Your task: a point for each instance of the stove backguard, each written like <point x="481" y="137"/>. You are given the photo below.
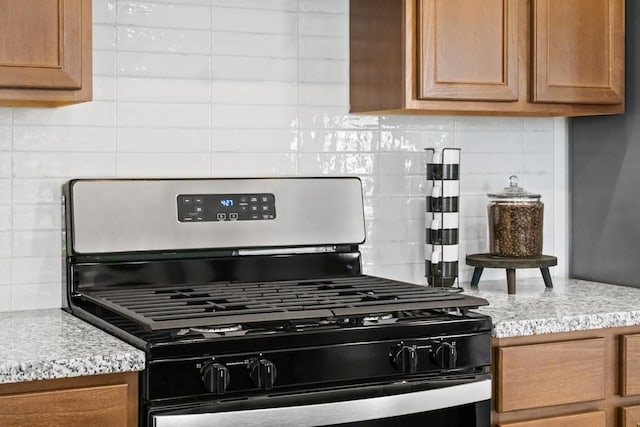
<point x="169" y="215"/>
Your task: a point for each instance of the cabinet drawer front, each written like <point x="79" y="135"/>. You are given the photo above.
<point x="631" y="416"/>
<point x="104" y="406"/>
<point x="533" y="376"/>
<point x="591" y="419"/>
<point x="630" y="365"/>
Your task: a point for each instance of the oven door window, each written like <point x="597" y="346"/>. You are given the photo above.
<point x="442" y="403"/>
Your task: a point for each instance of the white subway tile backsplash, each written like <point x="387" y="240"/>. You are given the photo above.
<point x="290" y="5"/>
<point x="260" y="93"/>
<point x="86" y="114"/>
<point x="539" y="142"/>
<point x="59" y="138"/>
<point x="5" y="191"/>
<point x="538" y="163"/>
<point x="489" y="123"/>
<point x="38" y="190"/>
<point x="104" y="88"/>
<point x="490" y="142"/>
<point x="5" y="298"/>
<point x="163" y="140"/>
<point x="5" y="164"/>
<point x="254" y="20"/>
<point x="329" y="6"/>
<point x="320" y="24"/>
<point x="5" y="218"/>
<point x="409" y="163"/>
<point x="36" y="270"/>
<point x="323" y="94"/>
<point x="36" y="243"/>
<point x="104" y="11"/>
<point x="337" y="163"/>
<point x="499" y="163"/>
<point x="338" y="140"/>
<point x="163" y="40"/>
<point x="163" y="165"/>
<point x="104" y="37"/>
<point x="481" y="183"/>
<point x="5" y="138"/>
<point x="154" y="14"/>
<point x="36" y="296"/>
<point x="175" y="65"/>
<point x="397" y="140"/>
<point x="172" y="115"/>
<point x="163" y="90"/>
<point x="259" y="164"/>
<point x="6" y="115"/>
<point x="324" y="47"/>
<point x="323" y="70"/>
<point x="254" y="116"/>
<point x="5" y="244"/>
<point x="422" y="123"/>
<point x="104" y="63"/>
<point x="402" y="208"/>
<point x="255" y="68"/>
<point x="410" y="185"/>
<point x="198" y="88"/>
<point x="334" y="118"/>
<point x="56" y="165"/>
<point x="255" y="44"/>
<point x="5" y="279"/>
<point x="538" y="124"/>
<point x="254" y="140"/>
<point x="37" y="217"/>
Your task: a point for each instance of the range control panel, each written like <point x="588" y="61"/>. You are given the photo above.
<point x="226" y="207"/>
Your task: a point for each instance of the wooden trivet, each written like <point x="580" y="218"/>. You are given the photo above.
<point x="482" y="261"/>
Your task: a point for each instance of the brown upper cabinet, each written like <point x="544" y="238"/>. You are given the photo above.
<point x="495" y="57"/>
<point x="45" y="52"/>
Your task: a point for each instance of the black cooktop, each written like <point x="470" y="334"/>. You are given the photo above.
<point x="221" y="306"/>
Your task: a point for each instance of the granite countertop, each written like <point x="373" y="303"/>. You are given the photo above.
<point x="46" y="344"/>
<point x="571" y="305"/>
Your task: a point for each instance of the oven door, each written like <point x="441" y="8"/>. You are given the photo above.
<point x="436" y="403"/>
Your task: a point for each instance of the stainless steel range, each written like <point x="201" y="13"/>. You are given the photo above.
<point x="248" y="297"/>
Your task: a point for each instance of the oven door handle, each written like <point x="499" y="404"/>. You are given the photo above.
<point x="337" y="412"/>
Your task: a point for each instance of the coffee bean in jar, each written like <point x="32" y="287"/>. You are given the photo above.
<point x="515" y="222"/>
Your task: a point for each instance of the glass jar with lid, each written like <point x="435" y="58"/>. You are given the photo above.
<point x="515" y="222"/>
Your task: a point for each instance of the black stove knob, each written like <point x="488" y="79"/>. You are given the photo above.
<point x="215" y="377"/>
<point x="445" y="355"/>
<point x="404" y="358"/>
<point x="263" y="373"/>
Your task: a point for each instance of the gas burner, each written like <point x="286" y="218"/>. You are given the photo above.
<point x="378" y="319"/>
<point x="215" y="331"/>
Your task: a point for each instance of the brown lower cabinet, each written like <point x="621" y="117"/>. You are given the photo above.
<point x="631" y="416"/>
<point x="586" y="379"/>
<point x="109" y="400"/>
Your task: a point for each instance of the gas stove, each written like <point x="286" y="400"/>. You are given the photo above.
<point x="248" y="298"/>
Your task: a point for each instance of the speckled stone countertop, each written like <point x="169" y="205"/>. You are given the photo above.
<point x="46" y="344"/>
<point x="571" y="305"/>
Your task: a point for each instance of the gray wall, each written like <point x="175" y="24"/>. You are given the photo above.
<point x="605" y="182"/>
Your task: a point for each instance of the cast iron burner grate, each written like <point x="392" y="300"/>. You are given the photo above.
<point x="162" y="307"/>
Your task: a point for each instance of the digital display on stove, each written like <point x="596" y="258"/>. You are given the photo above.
<point x="226" y="207"/>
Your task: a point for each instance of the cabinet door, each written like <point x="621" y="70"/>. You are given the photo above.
<point x="104" y="406"/>
<point x="558" y="373"/>
<point x="578" y="51"/>
<point x="467" y="50"/>
<point x="40" y="44"/>
<point x="630" y="375"/>
<point x="631" y="416"/>
<point x="45" y="52"/>
<point x="591" y="419"/>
